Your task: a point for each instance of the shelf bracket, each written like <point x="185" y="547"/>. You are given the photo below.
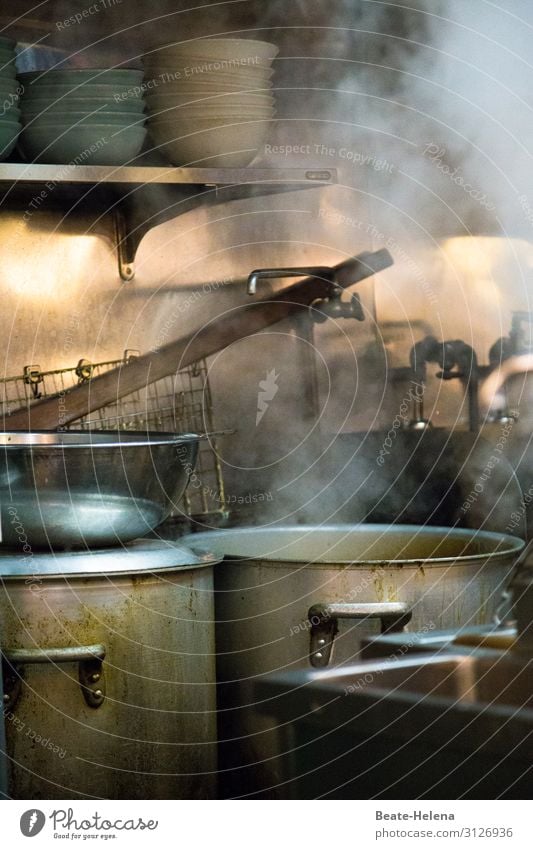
<point x="125" y="247"/>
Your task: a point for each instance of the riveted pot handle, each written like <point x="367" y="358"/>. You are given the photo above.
<point x="90" y="669"/>
<point x="323" y="618"/>
<point x="66" y="654"/>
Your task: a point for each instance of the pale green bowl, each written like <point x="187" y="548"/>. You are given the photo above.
<point x="9" y="132"/>
<point x="86" y="89"/>
<point x="64" y="120"/>
<point x="95" y="144"/>
<point x="68" y="105"/>
<point x="100" y="76"/>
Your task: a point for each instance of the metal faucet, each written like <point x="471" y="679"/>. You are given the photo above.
<point x="422" y="352"/>
<point x="322" y="272"/>
<point x="456" y="360"/>
<point x="345" y="274"/>
<point x="491" y="396"/>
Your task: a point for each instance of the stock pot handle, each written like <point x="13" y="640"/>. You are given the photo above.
<point x="68" y="654"/>
<point x="323" y="619"/>
<point x="90" y="669"/>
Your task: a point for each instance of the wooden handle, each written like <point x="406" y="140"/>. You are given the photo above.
<point x="242" y="321"/>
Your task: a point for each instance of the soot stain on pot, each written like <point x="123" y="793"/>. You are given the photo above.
<point x="378" y="587"/>
<point x="391" y="593"/>
<point x="55" y="625"/>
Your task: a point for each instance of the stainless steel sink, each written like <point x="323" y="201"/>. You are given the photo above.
<point x="438" y="726"/>
<point x="399" y="644"/>
<point x="485" y="678"/>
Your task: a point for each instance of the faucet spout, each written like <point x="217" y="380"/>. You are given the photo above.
<point x="491" y="396"/>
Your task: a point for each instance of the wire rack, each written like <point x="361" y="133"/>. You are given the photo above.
<point x="178" y="403"/>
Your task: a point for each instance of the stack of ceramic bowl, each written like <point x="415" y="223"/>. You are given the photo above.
<point x="210" y="101"/>
<point x="9" y="95"/>
<point x="89" y="117"/>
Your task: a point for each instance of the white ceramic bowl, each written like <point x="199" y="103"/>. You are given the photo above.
<point x="218" y="48"/>
<point x="222" y="99"/>
<point x="197" y="141"/>
<point x="172" y="75"/>
<point x="209" y="87"/>
<point x="215" y="115"/>
<point x="198" y="66"/>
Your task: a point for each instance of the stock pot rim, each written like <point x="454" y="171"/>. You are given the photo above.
<point x="145" y="557"/>
<point x="513" y="545"/>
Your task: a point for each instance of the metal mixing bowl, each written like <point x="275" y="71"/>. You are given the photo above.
<point x="81" y="488"/>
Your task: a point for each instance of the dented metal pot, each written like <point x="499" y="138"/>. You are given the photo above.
<point x="109" y="673"/>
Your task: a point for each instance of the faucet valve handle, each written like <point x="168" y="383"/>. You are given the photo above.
<point x="333" y="307"/>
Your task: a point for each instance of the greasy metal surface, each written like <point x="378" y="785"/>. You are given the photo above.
<point x="104" y="561"/>
<point x="89" y="489"/>
<point x="155" y="732"/>
<point x="271" y="577"/>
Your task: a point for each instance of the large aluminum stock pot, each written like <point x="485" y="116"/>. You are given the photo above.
<point x="109" y="673"/>
<point x="81" y="488"/>
<point x="301" y="597"/>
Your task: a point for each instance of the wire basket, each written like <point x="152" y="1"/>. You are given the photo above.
<point x="178" y="403"/>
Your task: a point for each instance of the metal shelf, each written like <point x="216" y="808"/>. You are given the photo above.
<point x="19" y="172"/>
<point x="134" y="195"/>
